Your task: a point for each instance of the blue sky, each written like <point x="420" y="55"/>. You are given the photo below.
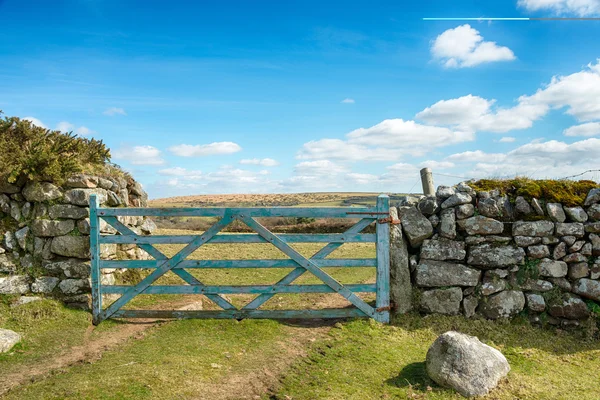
<point x="273" y="96"/>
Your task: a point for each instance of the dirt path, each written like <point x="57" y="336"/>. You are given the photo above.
<point x="240" y="384"/>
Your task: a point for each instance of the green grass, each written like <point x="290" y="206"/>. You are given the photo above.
<point x="175" y="360"/>
<point x="366" y="360"/>
<point x="47" y="328"/>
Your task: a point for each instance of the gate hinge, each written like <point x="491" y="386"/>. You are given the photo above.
<point x="386" y="308"/>
<point x="389" y="220"/>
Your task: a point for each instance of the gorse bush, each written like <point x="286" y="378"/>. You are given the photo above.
<point x="39" y="154"/>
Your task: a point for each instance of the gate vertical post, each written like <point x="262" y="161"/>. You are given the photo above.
<point x="383" y="261"/>
<point x="95" y="260"/>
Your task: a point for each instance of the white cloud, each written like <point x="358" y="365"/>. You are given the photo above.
<point x="35" y="122"/>
<point x="319" y="168"/>
<point x="437" y="164"/>
<point x="588" y="129"/>
<point x="507" y="139"/>
<point x="362" y="179"/>
<point x="580" y="8"/>
<point x="65" y="126"/>
<point x="338" y="149"/>
<point x="140" y="155"/>
<point x="463" y="47"/>
<point x="201" y="150"/>
<point x="181" y="172"/>
<point x="476" y="156"/>
<point x="265" y="162"/>
<point x="348" y="101"/>
<point x="578" y="93"/>
<point x="112" y="111"/>
<point x="84" y="131"/>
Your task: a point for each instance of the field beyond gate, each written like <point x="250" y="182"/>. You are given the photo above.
<point x="179" y="264"/>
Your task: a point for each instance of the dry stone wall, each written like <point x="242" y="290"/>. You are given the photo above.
<point x="44" y="234"/>
<point x="481" y="253"/>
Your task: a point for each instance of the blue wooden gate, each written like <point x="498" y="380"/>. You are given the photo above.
<point x="178" y="264"/>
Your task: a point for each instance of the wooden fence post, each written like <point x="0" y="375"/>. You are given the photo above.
<point x="427" y="182"/>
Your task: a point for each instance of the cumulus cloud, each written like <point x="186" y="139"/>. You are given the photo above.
<point x="201" y="150"/>
<point x="463" y="47"/>
<point x="112" y="111"/>
<point x="580" y="8"/>
<point x="588" y="129"/>
<point x="348" y="101"/>
<point x="35" y="122"/>
<point x="265" y="162"/>
<point x="65" y="126"/>
<point x="386" y="141"/>
<point x="476" y="156"/>
<point x="577" y="93"/>
<point x="140" y="155"/>
<point x="507" y="139"/>
<point x="437" y="164"/>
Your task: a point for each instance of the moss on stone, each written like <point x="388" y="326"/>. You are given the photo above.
<point x="569" y="193"/>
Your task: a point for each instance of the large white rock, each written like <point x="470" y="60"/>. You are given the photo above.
<point x="8" y="339"/>
<point x="464" y="364"/>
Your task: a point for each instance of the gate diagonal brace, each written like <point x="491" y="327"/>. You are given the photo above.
<point x="157" y="254"/>
<point x="165" y="267"/>
<point x="308" y="265"/>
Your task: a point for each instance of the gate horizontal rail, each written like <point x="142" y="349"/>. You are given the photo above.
<point x="179" y="264"/>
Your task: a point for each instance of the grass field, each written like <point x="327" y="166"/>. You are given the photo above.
<point x="62" y="356"/>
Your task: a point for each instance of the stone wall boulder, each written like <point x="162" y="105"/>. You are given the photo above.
<point x="463" y="363"/>
<point x="8" y="339"/>
<point x="14" y="284"/>
<point x="71" y="246"/>
<point x="534" y="228"/>
<point x="415" y="225"/>
<point x="41" y="191"/>
<point x="442" y="301"/>
<point x="488" y="256"/>
<point x="431" y="273"/>
<point x="505" y="304"/>
<point x="443" y="249"/>
<point x="480" y="225"/>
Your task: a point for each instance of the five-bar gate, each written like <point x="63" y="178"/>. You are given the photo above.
<point x="179" y="264"/>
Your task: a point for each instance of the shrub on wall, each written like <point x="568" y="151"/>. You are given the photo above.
<point x="39" y="154"/>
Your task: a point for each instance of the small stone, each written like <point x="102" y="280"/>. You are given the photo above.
<point x="552" y="268"/>
<point x="574" y="258"/>
<point x="562" y="283"/>
<point x="487" y="256"/>
<point x="25" y="300"/>
<point x="536" y="285"/>
<point x="587" y="250"/>
<point x="568" y="306"/>
<point x="456" y="200"/>
<point x="550" y="240"/>
<point x="105" y="183"/>
<point x="428" y="205"/>
<point x="592" y="197"/>
<point x="537" y="252"/>
<point x="71" y="268"/>
<point x="576" y="246"/>
<point x="68" y="211"/>
<point x="595" y="271"/>
<point x="112" y="200"/>
<point x="463" y="363"/>
<point x="21" y="236"/>
<point x="522" y="207"/>
<point x="81" y="181"/>
<point x="137" y="189"/>
<point x="491" y="286"/>
<point x="569" y="240"/>
<point x="148" y="226"/>
<point x="595" y="239"/>
<point x="51" y="228"/>
<point x="7" y="264"/>
<point x="465" y="211"/>
<point x="525" y="241"/>
<point x="14" y="284"/>
<point x="443" y="249"/>
<point x="556" y="212"/>
<point x="496" y="273"/>
<point x="443" y="192"/>
<point x="44" y="284"/>
<point x="447" y="227"/>
<point x="506" y="209"/>
<point x="489" y="208"/>
<point x="74" y="286"/>
<point x="442" y="301"/>
<point x="15" y="211"/>
<point x="435" y="220"/>
<point x="576" y="214"/>
<point x="430" y="273"/>
<point x="26" y="210"/>
<point x="578" y="270"/>
<point x="470" y="304"/>
<point x="503" y="305"/>
<point x="416" y="227"/>
<point x="537" y="207"/>
<point x="592" y="227"/>
<point x="465" y="188"/>
<point x="535" y="228"/>
<point x="593" y="212"/>
<point x="81" y="197"/>
<point x="535" y="302"/>
<point x="8" y="339"/>
<point x="587" y="288"/>
<point x="480" y="225"/>
<point x="570" y="229"/>
<point x="41" y="191"/>
<point x="71" y="246"/>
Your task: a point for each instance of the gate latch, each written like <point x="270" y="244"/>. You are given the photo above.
<point x="388" y="220"/>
